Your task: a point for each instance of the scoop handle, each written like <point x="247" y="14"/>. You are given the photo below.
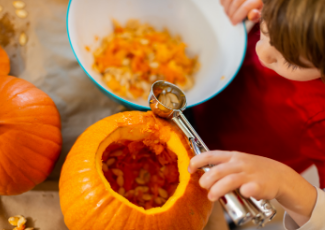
<point x="240" y="209"/>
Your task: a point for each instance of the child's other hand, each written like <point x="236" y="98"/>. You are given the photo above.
<point x="258" y="177"/>
<point x="238" y="10"/>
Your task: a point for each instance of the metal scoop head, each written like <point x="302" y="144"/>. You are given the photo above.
<point x="165" y="98"/>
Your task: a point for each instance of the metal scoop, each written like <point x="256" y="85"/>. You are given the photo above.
<point x="168" y="101"/>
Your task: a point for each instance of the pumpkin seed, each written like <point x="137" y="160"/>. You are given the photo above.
<point x="120" y="181"/>
<point x="165" y="100"/>
<point x="121" y="191"/>
<point x="130" y="193"/>
<point x="117" y="172"/>
<point x="17" y="221"/>
<point x="144" y="41"/>
<point x="22" y="39"/>
<point x="104" y="167"/>
<point x="146" y="197"/>
<point x="126" y="62"/>
<point x="116" y="153"/>
<point x="158" y="200"/>
<point x="173" y="98"/>
<point x="140" y="181"/>
<point x="110" y="161"/>
<point x="21" y="13"/>
<point x="152" y="78"/>
<point x="18" y="4"/>
<point x="154" y="65"/>
<point x="21" y="222"/>
<point x="98" y="52"/>
<point x="163" y="193"/>
<point x="107" y="77"/>
<point x="142" y="188"/>
<point x="14" y="220"/>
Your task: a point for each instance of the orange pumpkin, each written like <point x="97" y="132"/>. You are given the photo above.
<point x="4" y="62"/>
<point x="129" y="171"/>
<point x="30" y="137"/>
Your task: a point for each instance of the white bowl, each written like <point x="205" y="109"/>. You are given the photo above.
<point x="202" y="24"/>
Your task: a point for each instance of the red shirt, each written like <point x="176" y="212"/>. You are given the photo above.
<point x="265" y="114"/>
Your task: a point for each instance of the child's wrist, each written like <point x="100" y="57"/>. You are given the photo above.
<point x="297" y="196"/>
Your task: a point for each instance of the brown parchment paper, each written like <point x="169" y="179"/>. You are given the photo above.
<point x="47" y="61"/>
<point x="41" y="208"/>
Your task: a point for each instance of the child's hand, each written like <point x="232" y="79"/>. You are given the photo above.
<point x="238" y="10"/>
<point x="258" y="177"/>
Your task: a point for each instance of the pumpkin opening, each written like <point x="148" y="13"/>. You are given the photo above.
<point x="143" y="172"/>
<point x="153" y="161"/>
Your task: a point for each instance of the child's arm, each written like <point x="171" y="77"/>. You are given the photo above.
<point x="238" y="10"/>
<point x="258" y="177"/>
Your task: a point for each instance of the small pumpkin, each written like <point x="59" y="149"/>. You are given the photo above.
<point x="4" y="62"/>
<point x="30" y="137"/>
<point x="129" y="171"/>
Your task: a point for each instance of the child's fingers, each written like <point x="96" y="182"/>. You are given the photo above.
<point x="244" y="9"/>
<point x="254" y="15"/>
<point x="218" y="172"/>
<point x="225" y="185"/>
<point x="222" y="2"/>
<point x="204" y="159"/>
<point x="251" y="189"/>
<point x="226" y="6"/>
<point x="234" y="6"/>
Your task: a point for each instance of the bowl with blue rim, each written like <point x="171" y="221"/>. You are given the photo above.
<point x="202" y="25"/>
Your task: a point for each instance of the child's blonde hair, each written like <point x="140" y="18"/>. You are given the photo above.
<point x="297" y="29"/>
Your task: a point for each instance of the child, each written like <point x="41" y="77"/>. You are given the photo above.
<point x="276" y="118"/>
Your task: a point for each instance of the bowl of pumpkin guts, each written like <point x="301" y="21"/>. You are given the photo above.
<point x="129" y="171"/>
<point x="124" y="46"/>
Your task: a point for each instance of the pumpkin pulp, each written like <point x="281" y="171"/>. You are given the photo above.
<point x="167" y="166"/>
<point x="145" y="176"/>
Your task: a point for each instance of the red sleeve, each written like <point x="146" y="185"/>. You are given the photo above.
<point x="313" y="144"/>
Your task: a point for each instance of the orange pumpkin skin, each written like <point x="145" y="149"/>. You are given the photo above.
<point x="30" y="137"/>
<point x="4" y="62"/>
<point x="88" y="204"/>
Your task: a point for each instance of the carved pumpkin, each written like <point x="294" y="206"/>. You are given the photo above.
<point x="4" y="62"/>
<point x="30" y="138"/>
<point x="129" y="171"/>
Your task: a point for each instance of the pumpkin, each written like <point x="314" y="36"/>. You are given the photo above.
<point x="4" y="62"/>
<point x="129" y="171"/>
<point x="30" y="137"/>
